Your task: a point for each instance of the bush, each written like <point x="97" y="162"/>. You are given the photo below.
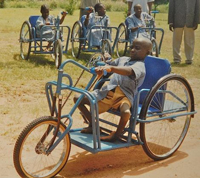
<point x="53" y="5"/>
<point x="2" y="5"/>
<point x="71" y="6"/>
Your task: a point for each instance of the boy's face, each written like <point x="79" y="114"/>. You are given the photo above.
<point x="138" y="10"/>
<point x="139" y="50"/>
<point x="101" y="11"/>
<point x="45" y="13"/>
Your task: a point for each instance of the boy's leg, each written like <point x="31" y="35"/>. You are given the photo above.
<point x="85" y="112"/>
<point x="125" y="115"/>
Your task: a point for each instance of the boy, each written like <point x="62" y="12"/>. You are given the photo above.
<point x="138" y="20"/>
<point x="45" y="20"/>
<point x="128" y="75"/>
<point x="90" y="20"/>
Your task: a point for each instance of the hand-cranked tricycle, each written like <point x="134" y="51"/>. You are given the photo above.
<point x="82" y="38"/>
<point x="124" y="41"/>
<point x="30" y="42"/>
<point x="162" y="109"/>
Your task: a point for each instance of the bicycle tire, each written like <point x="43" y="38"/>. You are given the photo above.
<point x="155" y="51"/>
<point x="106" y="47"/>
<point x="58" y="53"/>
<point x="75" y="39"/>
<point x="29" y="155"/>
<point x="122" y="42"/>
<point x="162" y="138"/>
<point x="25" y="40"/>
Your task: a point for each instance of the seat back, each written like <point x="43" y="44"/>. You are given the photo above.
<point x="33" y="19"/>
<point x="155" y="69"/>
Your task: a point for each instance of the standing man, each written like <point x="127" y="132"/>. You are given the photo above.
<point x="146" y="5"/>
<point x="87" y="3"/>
<point x="183" y="18"/>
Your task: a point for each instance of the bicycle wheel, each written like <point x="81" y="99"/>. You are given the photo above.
<point x="25" y="40"/>
<point x="95" y="58"/>
<point x="58" y="53"/>
<point x="154" y="51"/>
<point x="122" y="41"/>
<point x="171" y="98"/>
<point x="30" y="158"/>
<point x="75" y="39"/>
<point x="106" y="47"/>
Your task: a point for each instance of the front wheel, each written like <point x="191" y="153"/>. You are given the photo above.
<point x="30" y="158"/>
<point x="25" y="40"/>
<point x="171" y="98"/>
<point x="106" y="47"/>
<point x="58" y="53"/>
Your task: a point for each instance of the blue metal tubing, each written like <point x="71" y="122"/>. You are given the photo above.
<point x="102" y="28"/>
<point x="165" y="118"/>
<point x="91" y="98"/>
<point x="57" y="35"/>
<point x="154" y="29"/>
<point x="141" y="120"/>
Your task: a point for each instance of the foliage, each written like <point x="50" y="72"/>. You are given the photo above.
<point x="2" y="4"/>
<point x="71" y="6"/>
<point x="53" y="5"/>
<point x="158" y="2"/>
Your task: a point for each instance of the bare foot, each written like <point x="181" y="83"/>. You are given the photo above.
<point x="110" y="138"/>
<point x="87" y="130"/>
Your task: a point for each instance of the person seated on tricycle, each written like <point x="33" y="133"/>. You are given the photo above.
<point x="47" y="32"/>
<point x="139" y="20"/>
<point x="128" y="75"/>
<point x="91" y="19"/>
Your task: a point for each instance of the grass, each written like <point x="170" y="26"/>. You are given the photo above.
<point x="22" y="82"/>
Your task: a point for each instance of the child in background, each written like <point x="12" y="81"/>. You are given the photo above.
<point x="138" y="20"/>
<point x="90" y="20"/>
<point x="43" y="21"/>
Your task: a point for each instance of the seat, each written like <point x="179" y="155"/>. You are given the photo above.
<point x="156" y="68"/>
<point x="32" y="21"/>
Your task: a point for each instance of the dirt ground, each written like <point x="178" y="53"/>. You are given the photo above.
<point x="125" y="162"/>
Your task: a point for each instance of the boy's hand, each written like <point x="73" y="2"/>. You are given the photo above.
<point x="90" y="10"/>
<point x="64" y="13"/>
<point x="100" y="70"/>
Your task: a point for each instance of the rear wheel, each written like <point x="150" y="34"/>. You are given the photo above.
<point x="171" y="98"/>
<point x="122" y="41"/>
<point x="30" y="157"/>
<point x="58" y="53"/>
<point x="25" y="40"/>
<point x="154" y="51"/>
<point x="75" y="39"/>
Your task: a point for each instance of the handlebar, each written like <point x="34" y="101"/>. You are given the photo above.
<point x="63" y="12"/>
<point x="105" y="72"/>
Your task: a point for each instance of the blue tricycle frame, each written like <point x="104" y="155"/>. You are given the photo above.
<point x="29" y="42"/>
<point x="162" y="109"/>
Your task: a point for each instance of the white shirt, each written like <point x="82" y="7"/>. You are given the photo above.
<point x="143" y="3"/>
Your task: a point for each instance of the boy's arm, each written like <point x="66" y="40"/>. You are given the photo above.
<point x="124" y="70"/>
<point x="87" y="16"/>
<point x="63" y="17"/>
